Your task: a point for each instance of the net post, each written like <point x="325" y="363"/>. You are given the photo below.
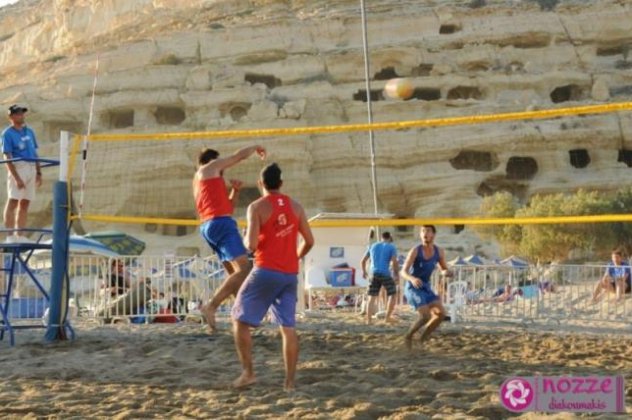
<point x="56" y="327"/>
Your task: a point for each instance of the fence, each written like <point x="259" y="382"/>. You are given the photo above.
<point x="137" y="289"/>
<point x="146" y="289"/>
<point x="559" y="293"/>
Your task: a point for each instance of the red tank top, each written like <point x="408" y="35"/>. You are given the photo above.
<point x="278" y="237"/>
<point x="212" y="199"/>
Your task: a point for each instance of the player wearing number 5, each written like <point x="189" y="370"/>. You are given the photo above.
<point x="274" y="223"/>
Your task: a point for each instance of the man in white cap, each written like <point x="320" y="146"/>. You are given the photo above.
<point x="19" y="142"/>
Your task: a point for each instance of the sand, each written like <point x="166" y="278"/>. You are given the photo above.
<point x="346" y="370"/>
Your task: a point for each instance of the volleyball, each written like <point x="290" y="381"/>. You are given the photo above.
<point x="399" y="88"/>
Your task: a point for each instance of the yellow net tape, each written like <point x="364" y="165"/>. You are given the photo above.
<point x="397" y="125"/>
<point x="602" y="218"/>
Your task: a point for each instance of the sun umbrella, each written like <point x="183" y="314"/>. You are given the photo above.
<point x="119" y="242"/>
<point x="515" y="262"/>
<point x="474" y="259"/>
<point x="82" y="245"/>
<point x="457" y="261"/>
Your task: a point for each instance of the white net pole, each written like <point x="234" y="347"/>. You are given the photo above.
<point x="84" y="147"/>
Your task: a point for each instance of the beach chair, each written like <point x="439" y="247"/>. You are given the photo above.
<point x="455" y="298"/>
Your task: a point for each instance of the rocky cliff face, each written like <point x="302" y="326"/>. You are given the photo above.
<point x="168" y="65"/>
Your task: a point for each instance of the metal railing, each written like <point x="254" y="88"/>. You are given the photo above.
<point x="146" y="289"/>
<point x="560" y="293"/>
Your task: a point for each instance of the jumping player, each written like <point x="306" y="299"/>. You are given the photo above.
<point x="215" y="208"/>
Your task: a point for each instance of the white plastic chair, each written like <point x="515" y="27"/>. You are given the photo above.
<point x="455" y="298"/>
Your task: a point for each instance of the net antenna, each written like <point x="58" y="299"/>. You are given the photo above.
<point x="84" y="146"/>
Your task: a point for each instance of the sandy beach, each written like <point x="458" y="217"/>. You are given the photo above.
<point x="346" y="370"/>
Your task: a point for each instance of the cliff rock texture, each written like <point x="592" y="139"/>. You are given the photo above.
<point x="168" y="65"/>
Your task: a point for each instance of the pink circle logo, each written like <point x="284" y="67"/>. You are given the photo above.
<point x="516" y="394"/>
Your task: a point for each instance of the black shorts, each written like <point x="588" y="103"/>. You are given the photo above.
<point x="378" y="281"/>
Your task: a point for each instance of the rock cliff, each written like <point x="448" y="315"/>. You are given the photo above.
<point x="168" y="65"/>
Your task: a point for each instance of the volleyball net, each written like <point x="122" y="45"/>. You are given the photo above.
<point x="145" y="178"/>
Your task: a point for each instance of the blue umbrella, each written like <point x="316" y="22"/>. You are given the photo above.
<point x="474" y="259"/>
<point x="80" y="245"/>
<point x="515" y="262"/>
<point x="457" y="261"/>
<point x="119" y="242"/>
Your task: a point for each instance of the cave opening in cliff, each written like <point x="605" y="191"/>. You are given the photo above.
<point x="521" y="168"/>
<point x="625" y="156"/>
<point x="610" y="50"/>
<point x="422" y="70"/>
<point x="121" y="118"/>
<point x="53" y="128"/>
<point x="236" y="110"/>
<point x="386" y="73"/>
<point x="579" y="158"/>
<point x="475" y="160"/>
<point x="171" y="230"/>
<point x="566" y="93"/>
<point x="465" y="92"/>
<point x="169" y="115"/>
<point x="495" y="184"/>
<point x="376" y="95"/>
<point x="270" y="81"/>
<point x="449" y="28"/>
<point x="426" y="94"/>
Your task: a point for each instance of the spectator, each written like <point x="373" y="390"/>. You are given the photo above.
<point x="616" y="278"/>
<point x="382" y="255"/>
<point x="19" y="142"/>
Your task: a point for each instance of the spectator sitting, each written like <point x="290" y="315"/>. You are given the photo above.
<point x="119" y="282"/>
<point x="615" y="279"/>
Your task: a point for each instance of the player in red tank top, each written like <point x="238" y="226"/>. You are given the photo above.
<point x="274" y="223"/>
<point x="278" y="237"/>
<point x="219" y="229"/>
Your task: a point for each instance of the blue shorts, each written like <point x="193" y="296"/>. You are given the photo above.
<point x="419" y="297"/>
<point x="264" y="288"/>
<point x="222" y="235"/>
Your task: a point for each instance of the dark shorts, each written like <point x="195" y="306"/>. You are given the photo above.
<point x="263" y="289"/>
<point x="223" y="236"/>
<point x="378" y="281"/>
<point x="419" y="297"/>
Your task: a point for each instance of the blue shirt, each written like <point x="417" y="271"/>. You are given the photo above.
<point x="20" y="143"/>
<point x="622" y="270"/>
<point x="381" y="254"/>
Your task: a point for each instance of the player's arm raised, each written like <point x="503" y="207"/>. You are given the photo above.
<point x="220" y="164"/>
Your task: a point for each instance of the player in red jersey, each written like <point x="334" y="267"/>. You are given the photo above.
<point x="219" y="229"/>
<point x="274" y="223"/>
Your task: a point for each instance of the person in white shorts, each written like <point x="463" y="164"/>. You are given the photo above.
<point x="18" y="141"/>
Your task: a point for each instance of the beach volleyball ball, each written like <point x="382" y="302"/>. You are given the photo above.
<point x="399" y="88"/>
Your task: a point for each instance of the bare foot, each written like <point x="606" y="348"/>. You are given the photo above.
<point x="391" y="321"/>
<point x="244" y="381"/>
<point x="208" y="314"/>
<point x="289" y="387"/>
